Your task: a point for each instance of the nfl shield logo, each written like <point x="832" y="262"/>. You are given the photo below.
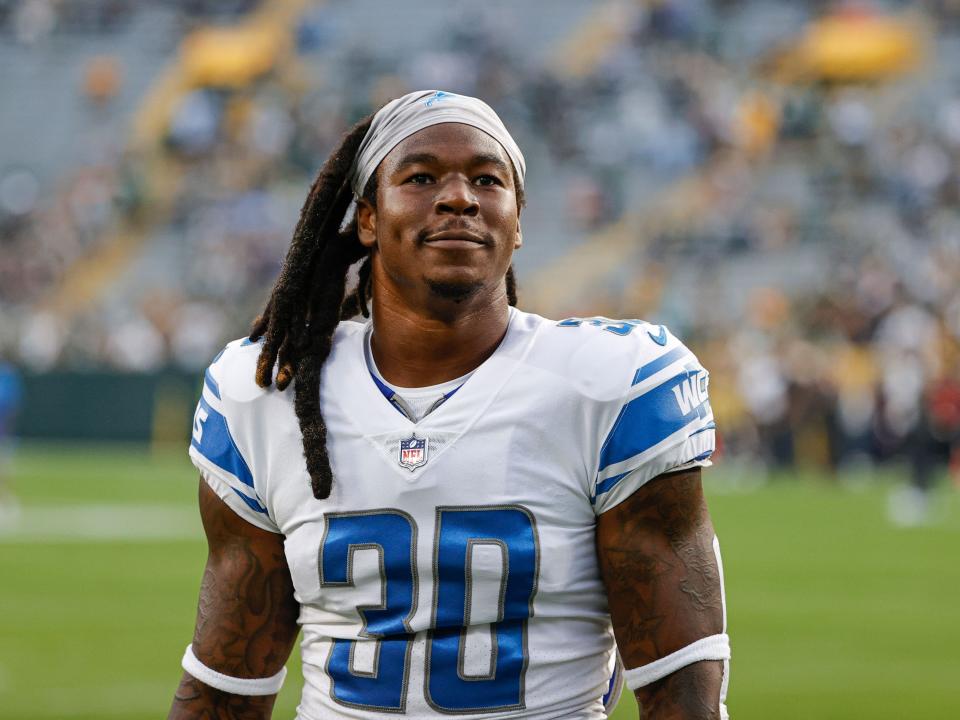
<point x="413" y="452"/>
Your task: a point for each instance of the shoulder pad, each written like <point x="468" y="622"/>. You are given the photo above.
<point x="232" y="374"/>
<point x="604" y="358"/>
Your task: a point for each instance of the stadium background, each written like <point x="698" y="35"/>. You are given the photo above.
<point x="776" y="181"/>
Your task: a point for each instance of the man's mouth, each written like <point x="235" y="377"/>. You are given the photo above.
<point x="457" y="240"/>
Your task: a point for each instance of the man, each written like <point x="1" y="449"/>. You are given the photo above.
<point x="459" y="496"/>
<point x="11" y="392"/>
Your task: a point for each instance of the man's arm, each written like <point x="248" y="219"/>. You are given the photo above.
<point x="246" y="617"/>
<point x="660" y="570"/>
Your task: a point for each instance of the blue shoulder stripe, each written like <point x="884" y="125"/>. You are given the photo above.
<point x="659" y="364"/>
<point x="650" y="419"/>
<point x="211" y="383"/>
<point x="216" y="444"/>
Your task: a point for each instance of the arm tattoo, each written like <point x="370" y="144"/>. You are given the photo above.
<point x="656" y="558"/>
<point x="197" y="701"/>
<point x="689" y="691"/>
<point x="246" y="615"/>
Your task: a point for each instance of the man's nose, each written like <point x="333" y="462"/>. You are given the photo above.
<point x="457" y="196"/>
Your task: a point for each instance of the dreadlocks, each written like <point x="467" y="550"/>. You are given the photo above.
<point x="307" y="301"/>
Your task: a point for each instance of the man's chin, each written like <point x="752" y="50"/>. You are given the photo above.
<point x="454" y="291"/>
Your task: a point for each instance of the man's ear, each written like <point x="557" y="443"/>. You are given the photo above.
<point x="366" y="223"/>
<point x="518" y="240"/>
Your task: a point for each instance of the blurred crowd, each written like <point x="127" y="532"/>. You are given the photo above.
<point x="38" y="21"/>
<point x="843" y="351"/>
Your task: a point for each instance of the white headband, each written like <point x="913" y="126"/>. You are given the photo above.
<point x="401" y="118"/>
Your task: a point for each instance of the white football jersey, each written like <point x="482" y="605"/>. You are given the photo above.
<point x="453" y="568"/>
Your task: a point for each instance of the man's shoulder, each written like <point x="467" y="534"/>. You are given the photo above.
<point x="602" y="358"/>
<point x="233" y="371"/>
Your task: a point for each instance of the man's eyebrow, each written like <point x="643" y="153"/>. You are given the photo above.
<point x="485" y="158"/>
<point x="416" y="159"/>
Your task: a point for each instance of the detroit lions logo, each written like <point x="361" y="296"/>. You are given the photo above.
<point x="660" y="338"/>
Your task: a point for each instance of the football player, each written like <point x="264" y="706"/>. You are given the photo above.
<point x="467" y="509"/>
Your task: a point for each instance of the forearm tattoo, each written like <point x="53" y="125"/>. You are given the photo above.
<point x="656" y="558"/>
<point x="246" y="615"/>
<point x="690" y="692"/>
<point x="196" y="701"/>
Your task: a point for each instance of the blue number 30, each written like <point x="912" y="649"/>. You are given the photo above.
<point x="393" y="535"/>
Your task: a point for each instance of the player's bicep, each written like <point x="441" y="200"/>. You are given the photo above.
<point x="662" y="576"/>
<point x="247" y="613"/>
<point x="246" y="617"/>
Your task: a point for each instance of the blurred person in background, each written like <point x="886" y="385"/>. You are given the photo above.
<point x="527" y="474"/>
<point x="11" y="392"/>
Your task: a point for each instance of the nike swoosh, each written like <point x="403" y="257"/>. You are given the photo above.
<point x="660" y="339"/>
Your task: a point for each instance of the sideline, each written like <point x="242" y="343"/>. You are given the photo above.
<point x="97" y="523"/>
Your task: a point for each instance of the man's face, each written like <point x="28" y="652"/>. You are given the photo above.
<point x="446" y="221"/>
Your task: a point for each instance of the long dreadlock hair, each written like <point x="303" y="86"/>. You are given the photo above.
<point x="307" y="301"/>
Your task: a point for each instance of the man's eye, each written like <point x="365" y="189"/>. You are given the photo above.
<point x="419" y="179"/>
<point x="488" y="180"/>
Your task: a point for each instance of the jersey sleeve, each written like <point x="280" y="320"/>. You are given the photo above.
<point x="215" y="452"/>
<point x="664" y="423"/>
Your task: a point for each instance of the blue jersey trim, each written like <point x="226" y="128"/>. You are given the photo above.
<point x="711" y="426"/>
<point x="251" y="503"/>
<point x="647" y="421"/>
<point x="387" y="391"/>
<point x="613" y="682"/>
<point x="211" y="383"/>
<point x="610" y="483"/>
<point x="447" y="396"/>
<point x="659" y="364"/>
<point x="607" y="485"/>
<point x="217" y="445"/>
<point x="390" y="394"/>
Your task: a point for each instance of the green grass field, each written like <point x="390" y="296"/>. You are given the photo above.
<point x="833" y="612"/>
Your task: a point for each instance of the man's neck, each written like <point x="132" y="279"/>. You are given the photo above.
<point x="415" y="349"/>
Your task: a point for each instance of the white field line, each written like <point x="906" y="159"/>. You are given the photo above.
<point x="97" y="523"/>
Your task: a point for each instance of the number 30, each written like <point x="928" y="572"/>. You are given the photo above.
<point x="392" y="534"/>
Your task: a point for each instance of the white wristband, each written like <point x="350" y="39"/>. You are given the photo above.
<point x="715" y="647"/>
<point x="236" y="686"/>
